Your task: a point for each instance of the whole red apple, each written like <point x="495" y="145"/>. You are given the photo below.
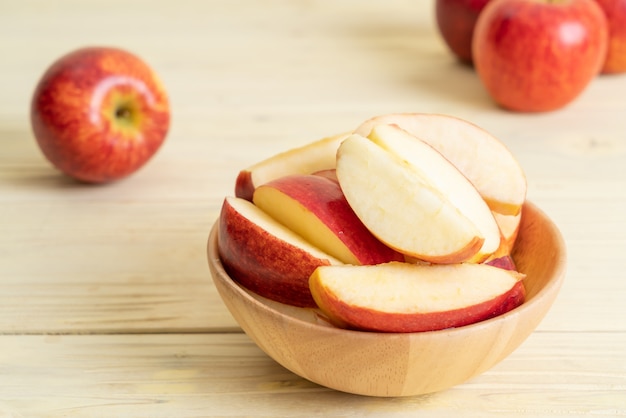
<point x="456" y="20"/>
<point x="539" y="55"/>
<point x="99" y="114"/>
<point x="615" y="11"/>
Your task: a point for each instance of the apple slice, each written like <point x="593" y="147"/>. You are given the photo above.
<point x="315" y="156"/>
<point x="403" y="297"/>
<point x="482" y="158"/>
<point x="315" y="208"/>
<point x="401" y="207"/>
<point x="509" y="228"/>
<point x="330" y="173"/>
<point x="266" y="257"/>
<point x="445" y="177"/>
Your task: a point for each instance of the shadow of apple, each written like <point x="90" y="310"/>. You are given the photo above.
<point x="416" y="58"/>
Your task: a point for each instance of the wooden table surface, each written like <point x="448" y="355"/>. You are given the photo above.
<point x="107" y="308"/>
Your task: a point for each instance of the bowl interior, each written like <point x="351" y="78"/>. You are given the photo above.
<point x="390" y="364"/>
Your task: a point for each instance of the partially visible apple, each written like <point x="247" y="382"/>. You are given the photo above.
<point x="330" y="174"/>
<point x="504" y="262"/>
<point x="266" y="257"/>
<point x="509" y="228"/>
<point x="401" y="207"/>
<point x="481" y="157"/>
<point x="314" y="156"/>
<point x="539" y="55"/>
<point x="315" y="208"/>
<point x="445" y="177"/>
<point x="99" y="114"/>
<point x="615" y="11"/>
<point x="402" y="297"/>
<point x="456" y="20"/>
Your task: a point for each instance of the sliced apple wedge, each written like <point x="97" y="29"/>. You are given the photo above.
<point x="402" y="297"/>
<point x="445" y="177"/>
<point x="266" y="257"/>
<point x="331" y="174"/>
<point x="509" y="228"/>
<point x="315" y="156"/>
<point x="401" y="207"/>
<point x="315" y="208"/>
<point x="482" y="158"/>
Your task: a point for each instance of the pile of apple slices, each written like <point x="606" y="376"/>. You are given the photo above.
<point x="405" y="224"/>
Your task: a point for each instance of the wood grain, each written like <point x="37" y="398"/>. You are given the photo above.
<point x="212" y="375"/>
<point x="125" y="263"/>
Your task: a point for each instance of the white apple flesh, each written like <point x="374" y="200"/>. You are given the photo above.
<point x="481" y="157"/>
<point x="445" y="177"/>
<point x="401" y="207"/>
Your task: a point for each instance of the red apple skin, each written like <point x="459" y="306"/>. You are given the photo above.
<point x="539" y="55"/>
<point x="456" y="20"/>
<point x="615" y="11"/>
<point x="360" y="318"/>
<point x="244" y="186"/>
<point x="252" y="258"/>
<point x="504" y="262"/>
<point x="323" y="197"/>
<point x="99" y="114"/>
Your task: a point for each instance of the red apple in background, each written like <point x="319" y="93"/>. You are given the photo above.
<point x="456" y="20"/>
<point x="99" y="113"/>
<point x="538" y="55"/>
<point x="615" y="11"/>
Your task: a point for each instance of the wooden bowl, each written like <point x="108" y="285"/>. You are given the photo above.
<point x="381" y="364"/>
